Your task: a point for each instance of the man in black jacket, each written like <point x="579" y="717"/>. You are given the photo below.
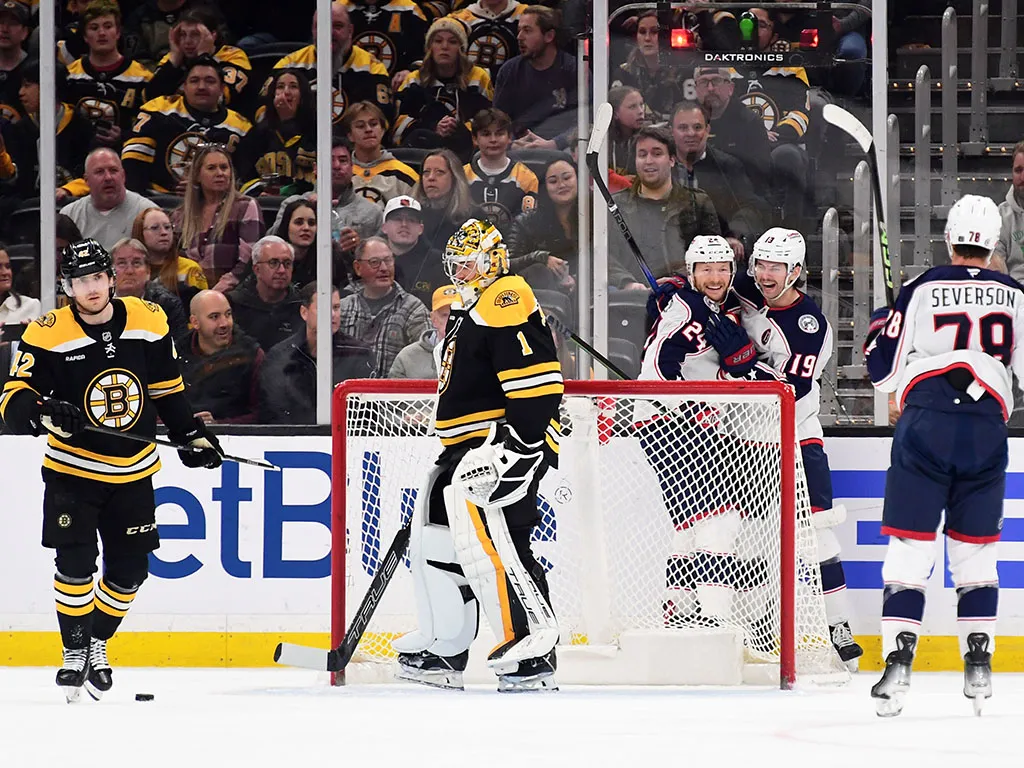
<point x="288" y="379"/>
<point x="219" y="363"/>
<point x="265" y="305"/>
<point x="418" y="267"/>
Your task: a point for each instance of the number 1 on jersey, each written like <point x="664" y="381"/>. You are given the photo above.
<point x="527" y="350"/>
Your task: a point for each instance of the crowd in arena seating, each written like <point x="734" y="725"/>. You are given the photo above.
<point x="186" y="145"/>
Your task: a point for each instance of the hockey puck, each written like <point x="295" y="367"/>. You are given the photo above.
<point x="144" y="697"/>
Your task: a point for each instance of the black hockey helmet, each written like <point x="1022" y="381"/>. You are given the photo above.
<point x="85" y="258"/>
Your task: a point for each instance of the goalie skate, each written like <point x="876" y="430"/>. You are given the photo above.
<point x="430" y="669"/>
<point x="71" y="676"/>
<point x="977" y="670"/>
<point x="531" y="675"/>
<point x="890" y="691"/>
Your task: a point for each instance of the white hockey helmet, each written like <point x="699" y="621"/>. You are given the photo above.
<point x="707" y="249"/>
<point x="973" y="220"/>
<point x="782" y="245"/>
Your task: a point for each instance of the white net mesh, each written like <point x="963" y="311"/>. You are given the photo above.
<point x="664" y="513"/>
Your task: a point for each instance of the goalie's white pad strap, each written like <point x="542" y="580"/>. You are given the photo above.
<point x="829" y="518"/>
<point x="828" y="544"/>
<point x="497" y="576"/>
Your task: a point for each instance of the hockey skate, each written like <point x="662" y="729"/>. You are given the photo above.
<point x="890" y="691"/>
<point x="531" y="675"/>
<point x="977" y="670"/>
<point x="430" y="669"/>
<point x="100" y="678"/>
<point x="71" y="676"/>
<point x="848" y="649"/>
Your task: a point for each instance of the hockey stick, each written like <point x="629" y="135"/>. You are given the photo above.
<point x="564" y="330"/>
<point x="337" y="659"/>
<point x="602" y="121"/>
<point x="846" y="122"/>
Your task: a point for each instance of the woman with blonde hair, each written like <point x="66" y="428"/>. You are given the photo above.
<point x="216" y="225"/>
<point x="180" y="275"/>
<point x="444" y="194"/>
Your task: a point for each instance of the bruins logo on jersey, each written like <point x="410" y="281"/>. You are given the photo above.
<point x="496" y="213"/>
<point x="506" y="299"/>
<point x="379" y="45"/>
<point x="48" y="320"/>
<point x="9" y="113"/>
<point x="372" y="194"/>
<point x="338" y="103"/>
<point x="763" y="107"/>
<point x="181" y="151"/>
<point x="94" y="109"/>
<point x="114" y="399"/>
<point x="488" y="50"/>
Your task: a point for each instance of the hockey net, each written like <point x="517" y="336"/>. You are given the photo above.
<point x="676" y="511"/>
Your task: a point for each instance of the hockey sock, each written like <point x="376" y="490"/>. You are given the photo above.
<point x="112" y="603"/>
<point x="833" y="584"/>
<point x="74" y="609"/>
<point x="902" y="610"/>
<point x="976" y="612"/>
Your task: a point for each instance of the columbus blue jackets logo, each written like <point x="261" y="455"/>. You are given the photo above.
<point x="114" y="399"/>
<point x="808" y="323"/>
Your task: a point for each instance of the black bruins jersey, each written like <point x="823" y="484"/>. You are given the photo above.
<point x="492" y="39"/>
<point x="122" y="374"/>
<point x="499" y="363"/>
<point x="167" y="134"/>
<point x="74" y="140"/>
<point x="279" y="152"/>
<point x="234" y="66"/>
<point x="781" y="97"/>
<point x="503" y="196"/>
<point x="10" y="102"/>
<point x="423" y="106"/>
<point x="363" y="78"/>
<point x="393" y="32"/>
<point x="114" y="95"/>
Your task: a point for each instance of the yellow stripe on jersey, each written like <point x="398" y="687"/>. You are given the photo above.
<point x="164" y="388"/>
<point x="532" y="381"/>
<point x="9" y="389"/>
<point x="101" y="477"/>
<point x="56" y="331"/>
<point x="549" y="389"/>
<point x="471" y="417"/>
<point x="530" y="370"/>
<point x="447" y="441"/>
<point x="468" y="427"/>
<point x="114" y="461"/>
<point x="139" y="148"/>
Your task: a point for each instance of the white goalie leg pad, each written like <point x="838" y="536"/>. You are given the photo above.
<point x="908" y="565"/>
<point x="447" y="623"/>
<point x="828" y="544"/>
<point x="829" y="518"/>
<point x="973" y="566"/>
<point x="681" y="600"/>
<point x="716" y="536"/>
<point x="488" y="556"/>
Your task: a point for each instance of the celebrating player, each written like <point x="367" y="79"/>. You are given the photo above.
<point x="499" y="390"/>
<point x="946" y="348"/>
<point x="100" y="362"/>
<point x="793" y="336"/>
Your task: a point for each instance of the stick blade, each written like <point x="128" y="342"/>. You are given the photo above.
<point x="602" y="121"/>
<point x="845" y="121"/>
<point x="303" y="656"/>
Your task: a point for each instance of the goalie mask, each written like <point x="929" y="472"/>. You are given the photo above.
<point x="973" y="220"/>
<point x="474" y="258"/>
<point x="785" y="246"/>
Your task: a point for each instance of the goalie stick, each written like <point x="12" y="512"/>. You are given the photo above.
<point x="336" y="660"/>
<point x="602" y="121"/>
<point x="848" y="123"/>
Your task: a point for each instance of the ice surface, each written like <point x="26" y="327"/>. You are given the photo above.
<point x="271" y="717"/>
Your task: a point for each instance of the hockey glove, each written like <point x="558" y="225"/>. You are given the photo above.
<point x="660" y="298"/>
<point x="500" y="471"/>
<point x="199" y="436"/>
<point x="878" y="320"/>
<point x="62" y="418"/>
<point x="737" y="352"/>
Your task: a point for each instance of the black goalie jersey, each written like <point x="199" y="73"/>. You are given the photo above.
<point x="122" y="374"/>
<point x="113" y="95"/>
<point x="393" y="31"/>
<point x="499" y="363"/>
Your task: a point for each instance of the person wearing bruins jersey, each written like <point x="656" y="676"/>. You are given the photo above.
<point x="110" y="364"/>
<point x="106" y="87"/>
<point x="391" y="30"/>
<point x="503" y="189"/>
<point x="377" y="174"/>
<point x="362" y="76"/>
<point x="169" y="130"/>
<point x="491" y="29"/>
<point x="499" y="391"/>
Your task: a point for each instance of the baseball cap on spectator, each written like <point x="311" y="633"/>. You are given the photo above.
<point x="18" y="10"/>
<point x="444" y="296"/>
<point x="400" y="202"/>
<point x="448" y="24"/>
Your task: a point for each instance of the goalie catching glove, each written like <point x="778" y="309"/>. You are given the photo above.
<point x="210" y="454"/>
<point x="739" y="356"/>
<point x="499" y="472"/>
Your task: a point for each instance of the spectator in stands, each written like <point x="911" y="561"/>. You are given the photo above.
<point x="219" y="363"/>
<point x="444" y="194"/>
<point x="74" y="138"/>
<point x="378" y="176"/>
<point x="198" y="33"/>
<point x="354" y="218"/>
<point x="297" y="227"/>
<point x="14" y="29"/>
<point x="501" y="188"/>
<point x="392" y="30"/>
<point x="537" y="88"/>
<point x="149" y="28"/>
<point x="282" y="146"/>
<point x="158" y="152"/>
<point x="288" y="378"/>
<point x="363" y="78"/>
<point x="416" y="361"/>
<point x="180" y="275"/>
<point x="543" y="243"/>
<point x="849" y="27"/>
<point x="734" y="128"/>
<point x="1008" y="255"/>
<point x="104" y="85"/>
<point x="216" y="224"/>
<point x="437" y="101"/>
<point x="27" y="281"/>
<point x="14" y="308"/>
<point x="107" y="213"/>
<point x="742" y="214"/>
<point x="492" y="27"/>
<point x="627" y="118"/>
<point x="266" y="306"/>
<point x="649" y="70"/>
<point x="132" y="278"/>
<point x="418" y="267"/>
<point x="662" y="216"/>
<point x="380" y="313"/>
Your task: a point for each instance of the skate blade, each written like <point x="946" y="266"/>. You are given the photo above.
<point x="544" y="683"/>
<point x="853" y="665"/>
<point x="95" y="693"/>
<point x="891" y="705"/>
<point x="71" y="693"/>
<point x="449" y="681"/>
